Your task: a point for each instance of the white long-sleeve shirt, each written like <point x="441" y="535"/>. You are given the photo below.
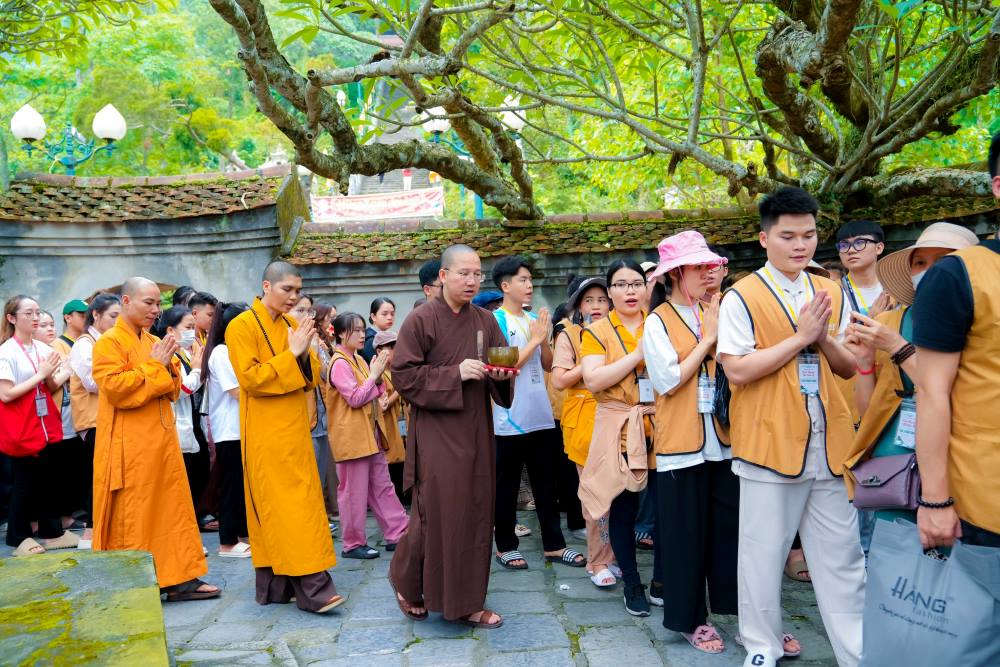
<point x="664" y="370"/>
<point x="183" y="410"/>
<point x="81" y="360"/>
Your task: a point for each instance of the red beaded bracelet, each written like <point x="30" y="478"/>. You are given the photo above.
<point x="861" y="371"/>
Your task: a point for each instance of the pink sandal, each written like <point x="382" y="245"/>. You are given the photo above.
<point x="702" y="635"/>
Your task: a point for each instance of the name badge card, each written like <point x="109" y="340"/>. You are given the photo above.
<point x="41" y="407"/>
<point x="645" y="389"/>
<point x="906" y="433"/>
<point x="402" y="427"/>
<point x="706" y="394"/>
<point x="809" y="373"/>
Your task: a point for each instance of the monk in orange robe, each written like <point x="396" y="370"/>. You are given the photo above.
<point x="277" y="369"/>
<point x="141" y="495"/>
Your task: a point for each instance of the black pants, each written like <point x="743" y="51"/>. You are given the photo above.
<point x="6" y="486"/>
<point x="232" y="506"/>
<point x="568" y="483"/>
<point x="539" y="451"/>
<point x="32" y="499"/>
<point x="972" y="534"/>
<point x="699" y="525"/>
<point x="85" y="480"/>
<point x="63" y="464"/>
<point x="396" y="475"/>
<point x="621" y="533"/>
<point x="197" y="466"/>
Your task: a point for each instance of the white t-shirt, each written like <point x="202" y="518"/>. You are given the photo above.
<point x="223" y="409"/>
<point x="15" y="365"/>
<point x="736" y="338"/>
<point x="531" y="410"/>
<point x="664" y="370"/>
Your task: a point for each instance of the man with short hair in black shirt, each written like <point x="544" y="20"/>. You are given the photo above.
<point x="955" y="317"/>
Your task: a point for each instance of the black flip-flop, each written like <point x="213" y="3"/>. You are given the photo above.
<point x="505" y="559"/>
<point x="569" y="558"/>
<point x="189" y="591"/>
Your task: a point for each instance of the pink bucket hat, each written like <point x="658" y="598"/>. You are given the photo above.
<point x="686" y="248"/>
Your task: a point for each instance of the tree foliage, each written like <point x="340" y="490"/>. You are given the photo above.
<point x="720" y="98"/>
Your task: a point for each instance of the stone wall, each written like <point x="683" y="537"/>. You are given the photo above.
<point x="56" y="261"/>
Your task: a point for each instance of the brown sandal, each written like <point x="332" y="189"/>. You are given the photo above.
<point x="335" y="601"/>
<point x="406" y="606"/>
<point x="467" y="620"/>
<point x="189" y="591"/>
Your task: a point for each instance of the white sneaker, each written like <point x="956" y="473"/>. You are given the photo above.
<point x="84" y="544"/>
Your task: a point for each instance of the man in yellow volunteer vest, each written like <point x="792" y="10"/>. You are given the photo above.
<point x="779" y="340"/>
<point x="958" y="425"/>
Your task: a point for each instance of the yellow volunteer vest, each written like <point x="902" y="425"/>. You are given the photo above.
<point x="679" y="411"/>
<point x="627" y="390"/>
<point x="395" y="451"/>
<point x="769" y="422"/>
<point x="883" y="405"/>
<point x="351" y="430"/>
<point x="579" y="407"/>
<point x="974" y="449"/>
<point x="82" y="403"/>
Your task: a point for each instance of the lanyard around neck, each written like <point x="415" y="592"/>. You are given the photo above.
<point x="785" y="301"/>
<point x="621" y="341"/>
<point x="25" y="350"/>
<point x="517" y="321"/>
<point x="858" y="295"/>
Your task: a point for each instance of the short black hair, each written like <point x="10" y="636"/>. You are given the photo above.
<point x="429" y="272"/>
<point x="508" y="267"/>
<point x="785" y="200"/>
<point x="994" y="158"/>
<point x="860" y="228"/>
<point x="202" y="299"/>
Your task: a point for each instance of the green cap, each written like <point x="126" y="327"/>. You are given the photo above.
<point x="75" y="306"/>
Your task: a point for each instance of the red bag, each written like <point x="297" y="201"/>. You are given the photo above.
<point x="22" y="431"/>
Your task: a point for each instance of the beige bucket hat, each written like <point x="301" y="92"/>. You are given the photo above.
<point x="894" y="269"/>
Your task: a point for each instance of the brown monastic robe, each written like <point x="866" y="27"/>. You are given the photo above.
<point x="444" y="557"/>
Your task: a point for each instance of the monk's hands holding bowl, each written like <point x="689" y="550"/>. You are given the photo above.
<point x="300" y="339"/>
<point x="501" y="374"/>
<point x="472" y="369"/>
<point x="164" y="350"/>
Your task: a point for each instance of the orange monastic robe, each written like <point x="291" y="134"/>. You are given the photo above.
<point x="286" y="516"/>
<point x="141" y="496"/>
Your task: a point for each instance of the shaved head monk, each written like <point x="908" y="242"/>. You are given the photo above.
<point x="141" y="495"/>
<point x="276" y="367"/>
<point x="442" y="563"/>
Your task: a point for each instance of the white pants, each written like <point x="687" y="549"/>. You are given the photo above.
<point x="770" y="514"/>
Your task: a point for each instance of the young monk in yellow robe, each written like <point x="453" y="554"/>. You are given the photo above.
<point x="141" y="495"/>
<point x="277" y="369"/>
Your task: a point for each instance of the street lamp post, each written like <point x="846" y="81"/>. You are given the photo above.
<point x="72" y="149"/>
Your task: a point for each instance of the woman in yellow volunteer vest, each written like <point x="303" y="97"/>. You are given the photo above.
<point x="620" y="447"/>
<point x="697" y="492"/>
<point x="587" y="304"/>
<point x="358" y="440"/>
<point x="393" y="409"/>
<point x="885" y="394"/>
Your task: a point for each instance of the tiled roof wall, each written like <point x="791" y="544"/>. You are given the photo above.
<point x="57" y="198"/>
<point x="400" y="240"/>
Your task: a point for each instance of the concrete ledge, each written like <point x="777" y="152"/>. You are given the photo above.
<point x="81" y="608"/>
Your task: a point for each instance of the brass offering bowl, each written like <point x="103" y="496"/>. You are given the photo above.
<point x="504" y="357"/>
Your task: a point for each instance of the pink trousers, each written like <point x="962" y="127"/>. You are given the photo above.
<point x="365" y="483"/>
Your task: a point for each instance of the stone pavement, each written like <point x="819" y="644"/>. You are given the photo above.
<point x="553" y="617"/>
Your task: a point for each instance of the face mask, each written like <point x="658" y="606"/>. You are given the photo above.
<point x="917" y="278"/>
<point x="187" y="339"/>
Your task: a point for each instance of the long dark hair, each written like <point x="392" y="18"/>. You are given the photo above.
<point x="376" y="305"/>
<point x="224" y="314"/>
<point x="169" y="319"/>
<point x="322" y="310"/>
<point x="343" y="323"/>
<point x="99" y="306"/>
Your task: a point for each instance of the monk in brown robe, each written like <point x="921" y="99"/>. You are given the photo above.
<point x="442" y="563"/>
<point x="141" y="496"/>
<point x="273" y="359"/>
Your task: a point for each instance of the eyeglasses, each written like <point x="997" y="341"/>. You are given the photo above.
<point x="470" y="275"/>
<point x="30" y="313"/>
<point x="857" y="244"/>
<point x="634" y="286"/>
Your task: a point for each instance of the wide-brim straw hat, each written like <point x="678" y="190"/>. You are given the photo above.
<point x="686" y="248"/>
<point x="894" y="269"/>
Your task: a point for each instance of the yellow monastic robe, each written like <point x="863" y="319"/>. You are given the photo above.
<point x="286" y="516"/>
<point x="141" y="496"/>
